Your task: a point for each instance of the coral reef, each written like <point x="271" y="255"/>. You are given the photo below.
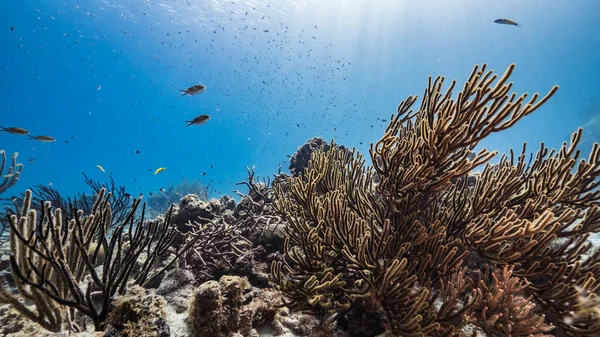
<point x="232" y="239"/>
<point x="218" y="240"/>
<point x="173" y="193"/>
<point x="417" y="244"/>
<point x="49" y="261"/>
<point x="256" y="217"/>
<point x="410" y="242"/>
<point x="120" y="202"/>
<point x="219" y="309"/>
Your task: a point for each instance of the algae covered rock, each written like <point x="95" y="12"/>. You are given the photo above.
<point x="216" y="308"/>
<point x="206" y="311"/>
<point x="139" y="312"/>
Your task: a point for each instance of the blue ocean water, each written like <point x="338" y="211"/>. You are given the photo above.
<point x="102" y="77"/>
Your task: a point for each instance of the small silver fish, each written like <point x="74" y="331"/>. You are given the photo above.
<point x="14" y="130"/>
<point x="193" y="90"/>
<point x="198" y="120"/>
<point x="45" y="139"/>
<point x="507" y="22"/>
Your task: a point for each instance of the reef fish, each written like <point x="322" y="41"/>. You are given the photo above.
<point x="507" y="22"/>
<point x="158" y="170"/>
<point x="14" y="130"/>
<point x="198" y="120"/>
<point x="193" y="90"/>
<point x="100" y="168"/>
<point x="45" y="139"/>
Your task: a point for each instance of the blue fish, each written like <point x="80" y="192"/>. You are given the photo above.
<point x="507" y="22"/>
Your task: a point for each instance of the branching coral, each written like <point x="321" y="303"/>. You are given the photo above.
<point x="7" y="180"/>
<point x="503" y="310"/>
<point x="403" y="231"/>
<point x="255" y="210"/>
<point x="49" y="260"/>
<point x="213" y="244"/>
<point x="120" y="201"/>
<point x="12" y="174"/>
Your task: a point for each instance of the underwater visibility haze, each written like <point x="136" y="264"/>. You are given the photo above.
<point x="166" y="98"/>
<point x="103" y="79"/>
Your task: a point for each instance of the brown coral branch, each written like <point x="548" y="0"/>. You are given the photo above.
<point x="504" y="310"/>
<point x="400" y="231"/>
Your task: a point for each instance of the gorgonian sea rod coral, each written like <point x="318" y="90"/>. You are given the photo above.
<point x="406" y="238"/>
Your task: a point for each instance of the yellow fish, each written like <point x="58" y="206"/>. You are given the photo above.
<point x="100" y="168"/>
<point x="158" y="170"/>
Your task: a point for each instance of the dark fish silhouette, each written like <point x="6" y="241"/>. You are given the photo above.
<point x="198" y="120"/>
<point x="15" y="130"/>
<point x="46" y="139"/>
<point x="193" y="90"/>
<point x="507" y="22"/>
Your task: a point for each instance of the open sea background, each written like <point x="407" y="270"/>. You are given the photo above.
<point x="102" y="77"/>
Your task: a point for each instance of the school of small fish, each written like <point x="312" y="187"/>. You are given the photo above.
<point x="20" y="131"/>
<point x="279" y="36"/>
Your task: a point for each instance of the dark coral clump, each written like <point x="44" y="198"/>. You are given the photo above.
<point x="299" y="161"/>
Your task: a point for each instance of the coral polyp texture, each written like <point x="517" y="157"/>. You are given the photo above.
<point x="413" y="249"/>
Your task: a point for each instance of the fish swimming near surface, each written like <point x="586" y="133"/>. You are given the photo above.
<point x="198" y="120"/>
<point x="45" y="139"/>
<point x="193" y="90"/>
<point x="14" y="130"/>
<point x="507" y="22"/>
